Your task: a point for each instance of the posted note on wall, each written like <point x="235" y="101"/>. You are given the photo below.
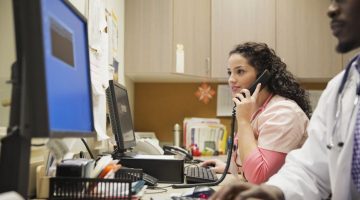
<point x="224" y="101"/>
<point x="99" y="64"/>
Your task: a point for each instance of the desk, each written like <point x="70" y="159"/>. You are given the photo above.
<point x="169" y="190"/>
<point x="166" y="194"/>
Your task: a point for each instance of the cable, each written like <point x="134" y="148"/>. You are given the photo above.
<point x="87" y="148"/>
<point x="227" y="161"/>
<point x="156" y="190"/>
<point x="158" y="187"/>
<point x="38" y="145"/>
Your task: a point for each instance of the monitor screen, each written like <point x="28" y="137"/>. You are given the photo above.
<point x="67" y="68"/>
<point x="120" y="116"/>
<point x="57" y="99"/>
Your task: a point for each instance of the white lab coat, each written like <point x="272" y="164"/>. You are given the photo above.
<point x="314" y="171"/>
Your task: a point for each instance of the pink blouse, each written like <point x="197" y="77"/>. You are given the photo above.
<point x="279" y="127"/>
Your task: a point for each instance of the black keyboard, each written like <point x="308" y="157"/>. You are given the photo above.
<point x="197" y="174"/>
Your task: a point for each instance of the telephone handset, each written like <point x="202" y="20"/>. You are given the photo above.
<point x="172" y="150"/>
<point x="263" y="79"/>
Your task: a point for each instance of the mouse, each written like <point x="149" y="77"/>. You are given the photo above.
<point x="203" y="192"/>
<point x="211" y="165"/>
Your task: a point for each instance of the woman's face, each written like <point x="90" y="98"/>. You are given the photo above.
<point x="241" y="73"/>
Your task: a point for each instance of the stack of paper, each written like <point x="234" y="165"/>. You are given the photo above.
<point x="206" y="133"/>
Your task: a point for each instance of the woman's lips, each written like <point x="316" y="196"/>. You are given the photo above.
<point x="235" y="89"/>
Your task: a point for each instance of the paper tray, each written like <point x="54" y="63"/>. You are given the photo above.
<point x="95" y="188"/>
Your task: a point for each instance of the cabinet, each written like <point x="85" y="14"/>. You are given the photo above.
<point x="237" y="21"/>
<point x="304" y="40"/>
<point x="297" y="30"/>
<point x="153" y="28"/>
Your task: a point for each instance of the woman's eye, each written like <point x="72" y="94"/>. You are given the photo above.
<point x="229" y="73"/>
<point x="240" y="71"/>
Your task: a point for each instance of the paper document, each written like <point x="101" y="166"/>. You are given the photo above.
<point x="224" y="101"/>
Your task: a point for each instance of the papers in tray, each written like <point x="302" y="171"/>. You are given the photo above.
<point x="206" y="133"/>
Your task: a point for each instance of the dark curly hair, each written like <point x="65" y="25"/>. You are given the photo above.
<point x="282" y="82"/>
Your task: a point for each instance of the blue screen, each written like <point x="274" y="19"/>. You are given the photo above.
<point x="68" y="84"/>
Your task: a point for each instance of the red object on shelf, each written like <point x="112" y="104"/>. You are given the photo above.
<point x="195" y="150"/>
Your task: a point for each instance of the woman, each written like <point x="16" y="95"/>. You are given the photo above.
<point x="272" y="121"/>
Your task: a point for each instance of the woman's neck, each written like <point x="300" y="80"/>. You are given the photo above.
<point x="263" y="95"/>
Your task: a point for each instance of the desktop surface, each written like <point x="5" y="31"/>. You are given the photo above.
<point x="165" y="191"/>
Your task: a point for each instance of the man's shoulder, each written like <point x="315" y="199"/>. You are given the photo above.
<point x="334" y="83"/>
<point x="330" y="92"/>
<point x="337" y="78"/>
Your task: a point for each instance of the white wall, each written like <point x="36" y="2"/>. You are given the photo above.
<point x="116" y="6"/>
<point x="81" y="5"/>
<point x="119" y="8"/>
<point x="7" y="57"/>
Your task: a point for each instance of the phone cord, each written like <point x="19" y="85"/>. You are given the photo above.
<point x="228" y="160"/>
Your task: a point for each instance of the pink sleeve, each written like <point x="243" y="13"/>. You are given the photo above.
<point x="261" y="164"/>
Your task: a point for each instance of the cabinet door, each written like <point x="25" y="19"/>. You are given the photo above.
<point x="192" y="30"/>
<point x="148" y="37"/>
<point x="238" y="21"/>
<point x="304" y="40"/>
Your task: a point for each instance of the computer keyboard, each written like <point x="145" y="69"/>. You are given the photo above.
<point x="197" y="174"/>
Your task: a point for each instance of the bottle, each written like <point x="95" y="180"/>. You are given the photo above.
<point x="177" y="135"/>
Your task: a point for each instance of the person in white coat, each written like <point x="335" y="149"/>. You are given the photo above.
<point x="324" y="168"/>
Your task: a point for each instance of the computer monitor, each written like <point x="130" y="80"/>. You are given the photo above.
<point x="57" y="83"/>
<point x="120" y="118"/>
<point x="51" y="93"/>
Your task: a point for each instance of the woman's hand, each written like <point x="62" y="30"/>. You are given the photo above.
<point x="217" y="165"/>
<point x="246" y="104"/>
<point x="248" y="191"/>
<point x="245" y="108"/>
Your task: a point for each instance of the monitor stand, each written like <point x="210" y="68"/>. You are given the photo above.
<point x="15" y="147"/>
<point x="14" y="163"/>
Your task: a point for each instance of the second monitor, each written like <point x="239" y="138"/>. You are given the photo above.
<point x="122" y="127"/>
<point x="120" y="118"/>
